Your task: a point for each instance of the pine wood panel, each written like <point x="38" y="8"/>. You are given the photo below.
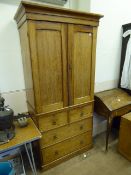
<point x="50" y="66"/>
<point x="80" y="63"/>
<point x="62" y="133"/>
<point x="61" y="149"/>
<point x="51" y="75"/>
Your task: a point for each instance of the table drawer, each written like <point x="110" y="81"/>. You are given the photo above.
<point x="80" y="113"/>
<point x="66" y="147"/>
<point x="51" y="121"/>
<point x="62" y="133"/>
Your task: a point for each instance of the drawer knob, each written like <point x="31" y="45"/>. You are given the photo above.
<point x="56" y="153"/>
<point x="53" y="122"/>
<point x="81" y="114"/>
<point x="54" y="137"/>
<point x="81" y="142"/>
<point x="81" y="127"/>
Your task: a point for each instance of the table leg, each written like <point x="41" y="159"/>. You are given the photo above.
<point x="31" y="158"/>
<point x="109" y="124"/>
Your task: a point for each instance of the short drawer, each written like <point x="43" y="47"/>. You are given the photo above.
<point x="80" y="113"/>
<point x="62" y="133"/>
<point x="53" y="153"/>
<point x="51" y="121"/>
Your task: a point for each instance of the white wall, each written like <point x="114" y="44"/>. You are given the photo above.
<point x="81" y="5"/>
<point x="84" y="5"/>
<point x="11" y="70"/>
<point x="116" y="13"/>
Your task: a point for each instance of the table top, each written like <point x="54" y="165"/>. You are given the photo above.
<point x="22" y="135"/>
<point x="114" y="98"/>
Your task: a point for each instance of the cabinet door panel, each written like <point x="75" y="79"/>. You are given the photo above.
<point x="80" y="63"/>
<point x="51" y="63"/>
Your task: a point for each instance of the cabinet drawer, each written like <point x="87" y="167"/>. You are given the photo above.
<point x="66" y="147"/>
<point x="51" y="121"/>
<point x="80" y="113"/>
<point x="62" y="133"/>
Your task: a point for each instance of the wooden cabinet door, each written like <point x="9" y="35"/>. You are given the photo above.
<point x="49" y="61"/>
<point x="81" y="61"/>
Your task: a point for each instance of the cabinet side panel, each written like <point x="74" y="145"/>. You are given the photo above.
<point x="93" y="63"/>
<point x="25" y="51"/>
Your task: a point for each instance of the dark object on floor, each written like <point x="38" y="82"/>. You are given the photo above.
<point x="110" y="104"/>
<point x="124" y="145"/>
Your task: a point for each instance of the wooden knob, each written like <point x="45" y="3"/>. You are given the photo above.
<point x="54" y="137"/>
<point x="81" y="127"/>
<point x="56" y="153"/>
<point x="81" y="114"/>
<point x="81" y="142"/>
<point x="70" y="67"/>
<point x="53" y="122"/>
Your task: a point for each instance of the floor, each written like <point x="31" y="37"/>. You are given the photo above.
<point x="96" y="162"/>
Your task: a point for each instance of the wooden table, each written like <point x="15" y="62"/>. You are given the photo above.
<point x="24" y="136"/>
<point x="110" y="104"/>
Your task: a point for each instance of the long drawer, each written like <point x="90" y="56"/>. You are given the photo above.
<point x="51" y="121"/>
<point x="54" y="152"/>
<point x="80" y="113"/>
<point x="62" y="133"/>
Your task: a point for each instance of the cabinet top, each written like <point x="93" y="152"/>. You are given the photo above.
<point x="29" y="7"/>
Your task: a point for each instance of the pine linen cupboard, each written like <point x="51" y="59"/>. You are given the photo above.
<point x="58" y="53"/>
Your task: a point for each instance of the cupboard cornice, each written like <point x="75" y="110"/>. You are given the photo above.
<point x="31" y="9"/>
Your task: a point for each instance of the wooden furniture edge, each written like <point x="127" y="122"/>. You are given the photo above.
<point x="66" y="157"/>
<point x="98" y="102"/>
<point x="123" y="154"/>
<point x="63" y="11"/>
